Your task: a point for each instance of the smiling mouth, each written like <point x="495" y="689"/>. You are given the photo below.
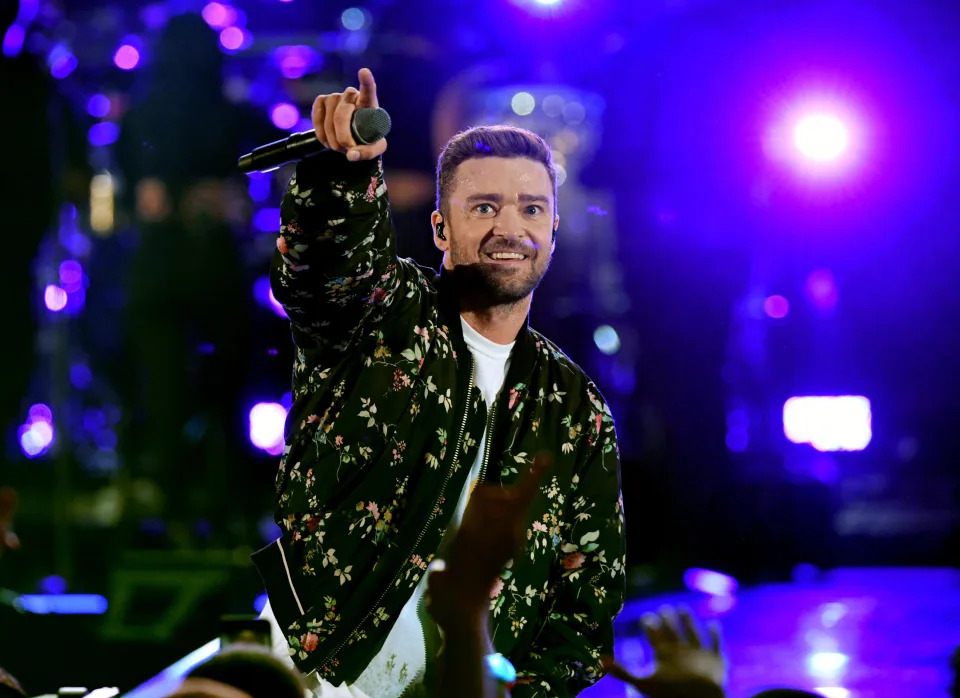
<point x="507" y="256"/>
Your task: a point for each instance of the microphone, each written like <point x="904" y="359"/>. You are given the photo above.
<point x="368" y="125"/>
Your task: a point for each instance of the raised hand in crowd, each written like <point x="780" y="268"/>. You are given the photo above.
<point x="686" y="665"/>
<point x="458" y="591"/>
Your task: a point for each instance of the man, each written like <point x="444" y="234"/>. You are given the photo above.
<point x="410" y="386"/>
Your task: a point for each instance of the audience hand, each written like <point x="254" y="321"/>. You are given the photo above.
<point x="684" y="667"/>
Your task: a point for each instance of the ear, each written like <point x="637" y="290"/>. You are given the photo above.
<point x="553" y="238"/>
<point x="443" y="245"/>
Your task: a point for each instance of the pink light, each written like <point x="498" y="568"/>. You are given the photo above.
<point x="284" y="115"/>
<point x="127" y="57"/>
<point x="55" y="298"/>
<point x="821" y="289"/>
<point x="218" y="15"/>
<point x="231" y="38"/>
<point x="710" y="582"/>
<point x="829" y="422"/>
<point x="776" y="307"/>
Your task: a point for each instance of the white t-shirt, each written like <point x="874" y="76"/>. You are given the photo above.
<point x="402" y="659"/>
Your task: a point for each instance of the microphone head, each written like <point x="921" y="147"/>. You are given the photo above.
<point x="369" y="125"/>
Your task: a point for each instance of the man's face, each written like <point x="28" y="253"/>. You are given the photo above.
<point x="500" y="225"/>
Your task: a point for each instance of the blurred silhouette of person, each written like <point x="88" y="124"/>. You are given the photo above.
<point x="187" y="311"/>
<point x="253" y="670"/>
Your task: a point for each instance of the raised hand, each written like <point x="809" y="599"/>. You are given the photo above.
<point x="489" y="536"/>
<point x="684" y="666"/>
<point x="332" y="115"/>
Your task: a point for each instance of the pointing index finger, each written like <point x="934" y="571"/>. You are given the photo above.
<point x="368" y="89"/>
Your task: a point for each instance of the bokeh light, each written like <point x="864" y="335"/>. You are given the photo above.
<point x="232" y="38"/>
<point x="218" y="15"/>
<point x="103" y="133"/>
<point x="606" y="339"/>
<point x="263" y="294"/>
<point x="821" y="290"/>
<point x="127" y="57"/>
<point x="710" y="582"/>
<point x="61" y="61"/>
<point x="820" y="137"/>
<point x="98" y="106"/>
<point x="523" y="103"/>
<point x="829" y="422"/>
<point x="353" y="18"/>
<point x="36" y="435"/>
<point x="266" y="426"/>
<point x="776" y="306"/>
<point x="55" y="298"/>
<point x="284" y="115"/>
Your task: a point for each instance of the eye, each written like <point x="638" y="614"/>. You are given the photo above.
<point x="484" y="209"/>
<point x="533" y="209"/>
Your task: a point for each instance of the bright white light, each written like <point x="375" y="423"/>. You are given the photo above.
<point x="832" y="692"/>
<point x="826" y="664"/>
<point x="266" y="426"/>
<point x="606" y="339"/>
<point x="546" y="2"/>
<point x="710" y="582"/>
<point x="523" y="103"/>
<point x="820" y="137"/>
<point x="828" y="423"/>
<point x="55" y="298"/>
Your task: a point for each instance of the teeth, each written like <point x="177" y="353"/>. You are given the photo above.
<point x="507" y="255"/>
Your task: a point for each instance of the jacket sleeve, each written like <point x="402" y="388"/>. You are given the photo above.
<point x="336" y="261"/>
<point x="564" y="657"/>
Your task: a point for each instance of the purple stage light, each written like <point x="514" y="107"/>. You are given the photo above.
<point x="80" y="376"/>
<point x="61" y="61"/>
<point x="259" y="187"/>
<point x="261" y="600"/>
<point x="54" y="584"/>
<point x="71" y="275"/>
<point x="821" y="290"/>
<point x="13" y="40"/>
<point x="55" y="298"/>
<point x="98" y="106"/>
<point x="218" y="15"/>
<point x="40" y="413"/>
<point x="284" y="115"/>
<point x="232" y="38"/>
<point x="776" y="307"/>
<point x="829" y="423"/>
<point x="263" y="294"/>
<point x="127" y="57"/>
<point x="820" y="137"/>
<point x="833" y="691"/>
<point x="104" y="133"/>
<point x="267" y="220"/>
<point x="266" y="426"/>
<point x="295" y="61"/>
<point x="710" y="582"/>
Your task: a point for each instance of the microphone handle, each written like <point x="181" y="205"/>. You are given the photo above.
<point x="293" y="148"/>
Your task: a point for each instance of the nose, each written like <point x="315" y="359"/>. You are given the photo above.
<point x="509" y="223"/>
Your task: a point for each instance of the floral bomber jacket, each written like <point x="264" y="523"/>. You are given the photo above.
<point x="385" y="424"/>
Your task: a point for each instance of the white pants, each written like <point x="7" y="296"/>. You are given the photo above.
<point x="316" y="686"/>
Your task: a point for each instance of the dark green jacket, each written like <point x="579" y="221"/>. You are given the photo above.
<point x="385" y="424"/>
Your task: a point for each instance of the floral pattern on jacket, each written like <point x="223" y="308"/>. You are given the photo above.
<point x="385" y="423"/>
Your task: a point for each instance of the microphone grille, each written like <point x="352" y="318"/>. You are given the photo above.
<point x="370" y="125"/>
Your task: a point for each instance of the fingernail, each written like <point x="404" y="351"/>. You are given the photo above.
<point x="353" y="155"/>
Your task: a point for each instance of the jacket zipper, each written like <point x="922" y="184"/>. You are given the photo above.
<point x="486" y="446"/>
<point x="443" y="487"/>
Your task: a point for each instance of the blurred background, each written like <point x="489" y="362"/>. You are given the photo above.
<point x="757" y="263"/>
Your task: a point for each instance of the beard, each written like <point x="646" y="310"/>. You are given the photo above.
<point x="490" y="284"/>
